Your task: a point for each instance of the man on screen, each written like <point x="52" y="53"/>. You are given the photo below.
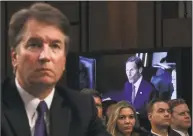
<point x="136" y="90"/>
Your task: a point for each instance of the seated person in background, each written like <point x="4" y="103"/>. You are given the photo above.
<point x="163" y="84"/>
<point x="180" y="117"/>
<point x="122" y="120"/>
<point x="159" y="116"/>
<point x="97" y="99"/>
<point x="83" y="76"/>
<point x="107" y="108"/>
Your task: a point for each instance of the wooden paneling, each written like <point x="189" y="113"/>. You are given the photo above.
<point x="129" y="24"/>
<point x="75" y="39"/>
<point x="99" y="27"/>
<point x="14" y="6"/>
<point x="177" y="32"/>
<point x="145" y="24"/>
<point x="112" y="27"/>
<point x="121" y="25"/>
<point x="158" y="24"/>
<point x="69" y="8"/>
<point x="170" y="9"/>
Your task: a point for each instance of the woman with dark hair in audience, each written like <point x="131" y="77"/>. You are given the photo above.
<point x="123" y="120"/>
<point x="107" y="107"/>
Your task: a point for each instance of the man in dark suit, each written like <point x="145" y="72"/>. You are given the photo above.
<point x="32" y="104"/>
<point x="180" y="117"/>
<point x="136" y="90"/>
<point x="97" y="99"/>
<point x="159" y="116"/>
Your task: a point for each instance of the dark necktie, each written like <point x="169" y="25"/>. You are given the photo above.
<point x="40" y="127"/>
<point x="133" y="94"/>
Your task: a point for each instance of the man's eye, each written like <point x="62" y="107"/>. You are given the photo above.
<point x="34" y="43"/>
<point x="182" y="113"/>
<point x="55" y="45"/>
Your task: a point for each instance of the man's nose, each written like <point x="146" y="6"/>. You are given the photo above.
<point x="45" y="54"/>
<point x="128" y="73"/>
<point x="167" y="114"/>
<point x="187" y="115"/>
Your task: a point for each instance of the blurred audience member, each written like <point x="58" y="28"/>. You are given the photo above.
<point x="83" y="76"/>
<point x="163" y="83"/>
<point x="123" y="120"/>
<point x="97" y="99"/>
<point x="180" y="117"/>
<point x="107" y="108"/>
<point x="159" y="116"/>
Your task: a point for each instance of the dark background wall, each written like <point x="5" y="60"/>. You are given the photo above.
<point x="99" y="26"/>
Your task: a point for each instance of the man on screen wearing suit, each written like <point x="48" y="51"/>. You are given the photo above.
<point x="136" y="90"/>
<point x="32" y="104"/>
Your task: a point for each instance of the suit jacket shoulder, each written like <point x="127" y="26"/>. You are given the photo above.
<point x="85" y="112"/>
<point x="147" y="85"/>
<point x="71" y="114"/>
<point x="173" y="133"/>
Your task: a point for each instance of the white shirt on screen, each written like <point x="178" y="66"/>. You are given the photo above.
<point x="137" y="84"/>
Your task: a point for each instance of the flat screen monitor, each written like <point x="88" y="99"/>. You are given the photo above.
<point x="115" y="74"/>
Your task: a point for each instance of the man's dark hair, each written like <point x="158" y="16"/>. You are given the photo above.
<point x="137" y="61"/>
<point x="175" y="102"/>
<point x="106" y="105"/>
<point x="92" y="92"/>
<point x="42" y="12"/>
<point x="152" y="102"/>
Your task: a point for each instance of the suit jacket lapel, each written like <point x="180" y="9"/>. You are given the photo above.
<point x="14" y="110"/>
<point x="127" y="93"/>
<point x="60" y="116"/>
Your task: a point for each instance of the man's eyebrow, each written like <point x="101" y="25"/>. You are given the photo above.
<point x="162" y="109"/>
<point x="181" y="111"/>
<point x="56" y="41"/>
<point x="47" y="39"/>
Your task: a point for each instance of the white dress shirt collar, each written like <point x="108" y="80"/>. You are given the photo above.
<point x="30" y="101"/>
<point x="156" y="133"/>
<point x="137" y="84"/>
<point x="181" y="133"/>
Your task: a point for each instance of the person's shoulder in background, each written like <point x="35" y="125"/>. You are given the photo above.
<point x="85" y="110"/>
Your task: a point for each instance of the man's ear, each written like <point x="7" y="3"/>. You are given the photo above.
<point x="14" y="59"/>
<point x="149" y="116"/>
<point x="140" y="70"/>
